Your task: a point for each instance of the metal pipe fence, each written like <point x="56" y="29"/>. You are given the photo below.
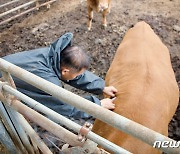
<point x="33" y="5"/>
<point x="8" y="3"/>
<point x="17" y="8"/>
<point x="132" y="128"/>
<point x="16" y="122"/>
<point x="64" y="121"/>
<point x="16" y="117"/>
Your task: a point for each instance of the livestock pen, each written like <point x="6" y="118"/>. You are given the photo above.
<point x="101" y="44"/>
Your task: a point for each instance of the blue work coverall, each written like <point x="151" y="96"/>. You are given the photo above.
<point x="45" y="63"/>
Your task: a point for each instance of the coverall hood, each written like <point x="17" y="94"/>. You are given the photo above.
<point x="56" y="48"/>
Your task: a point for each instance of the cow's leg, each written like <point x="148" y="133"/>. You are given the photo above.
<point x="90" y="17"/>
<point x="104" y="14"/>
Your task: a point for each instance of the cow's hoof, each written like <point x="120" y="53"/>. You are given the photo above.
<point x="104" y="26"/>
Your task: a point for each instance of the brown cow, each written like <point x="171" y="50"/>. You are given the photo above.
<point x="99" y="6"/>
<point x="147" y="89"/>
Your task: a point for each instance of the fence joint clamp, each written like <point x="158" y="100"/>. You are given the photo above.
<point x="85" y="129"/>
<point x="2" y="84"/>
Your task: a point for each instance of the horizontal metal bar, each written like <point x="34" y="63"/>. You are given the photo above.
<point x="17" y="8"/>
<point x="25" y="12"/>
<point x="124" y="124"/>
<point x="64" y="121"/>
<point x="15" y="117"/>
<point x="42" y="121"/>
<point x="8" y="3"/>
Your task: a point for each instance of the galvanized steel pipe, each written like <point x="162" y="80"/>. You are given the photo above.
<point x="17" y="8"/>
<point x="11" y="129"/>
<point x="16" y="117"/>
<point x="8" y="3"/>
<point x="126" y="125"/>
<point x="44" y="122"/>
<point x="63" y="120"/>
<point x="36" y="140"/>
<point x="27" y="11"/>
<point x="6" y="140"/>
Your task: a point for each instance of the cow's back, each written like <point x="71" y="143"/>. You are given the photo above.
<point x="147" y="88"/>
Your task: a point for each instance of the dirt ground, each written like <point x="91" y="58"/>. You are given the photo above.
<point x="42" y="27"/>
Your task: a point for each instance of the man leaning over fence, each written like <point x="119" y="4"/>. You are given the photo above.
<point x="61" y="62"/>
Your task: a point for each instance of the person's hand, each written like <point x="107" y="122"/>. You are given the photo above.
<point x="108" y="103"/>
<point x="110" y="91"/>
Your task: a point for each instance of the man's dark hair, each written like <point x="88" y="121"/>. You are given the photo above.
<point x="74" y="57"/>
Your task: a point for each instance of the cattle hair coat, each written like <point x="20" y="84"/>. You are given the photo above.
<point x="147" y="89"/>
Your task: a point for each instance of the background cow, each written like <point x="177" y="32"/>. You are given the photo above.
<point x="99" y="6"/>
<point x="147" y="88"/>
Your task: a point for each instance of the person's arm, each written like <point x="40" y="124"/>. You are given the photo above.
<point x="105" y="103"/>
<point x="88" y="82"/>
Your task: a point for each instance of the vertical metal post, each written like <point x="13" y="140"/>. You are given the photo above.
<point x="37" y="4"/>
<point x="10" y="128"/>
<point x="6" y="140"/>
<point x="15" y="116"/>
